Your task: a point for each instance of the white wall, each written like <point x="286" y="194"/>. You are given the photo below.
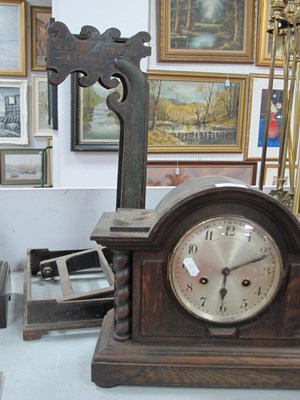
<point x="88" y="169"/>
<point x="57" y="219"/>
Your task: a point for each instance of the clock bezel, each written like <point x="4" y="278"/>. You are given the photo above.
<point x="218" y="320"/>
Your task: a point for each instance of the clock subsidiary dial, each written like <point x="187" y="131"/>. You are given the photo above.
<point x="225" y="270"/>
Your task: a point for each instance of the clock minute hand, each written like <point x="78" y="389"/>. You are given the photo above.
<point x="251" y="261"/>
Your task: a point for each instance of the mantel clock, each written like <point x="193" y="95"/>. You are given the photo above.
<point x="207" y="291"/>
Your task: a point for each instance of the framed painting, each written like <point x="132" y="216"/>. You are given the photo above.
<point x="258" y="94"/>
<point x="206" y="31"/>
<point x="42" y="126"/>
<point x="196" y="112"/>
<point x="12" y="38"/>
<point x="94" y="127"/>
<point x="167" y="173"/>
<point x="20" y="167"/>
<point x="13" y="112"/>
<point x="271" y="174"/>
<point x="264" y="39"/>
<point x="39" y="18"/>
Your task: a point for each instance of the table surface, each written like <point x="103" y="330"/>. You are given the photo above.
<point x="58" y="366"/>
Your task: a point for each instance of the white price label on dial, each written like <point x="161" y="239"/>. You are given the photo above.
<point x="191" y="266"/>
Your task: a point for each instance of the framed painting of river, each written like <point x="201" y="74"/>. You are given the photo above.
<point x="12" y="38"/>
<point x="218" y="31"/>
<point x="94" y="127"/>
<point x="196" y="112"/>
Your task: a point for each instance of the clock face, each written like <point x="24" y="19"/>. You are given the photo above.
<point x="225" y="270"/>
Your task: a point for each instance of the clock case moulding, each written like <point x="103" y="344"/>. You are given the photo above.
<point x="149" y="339"/>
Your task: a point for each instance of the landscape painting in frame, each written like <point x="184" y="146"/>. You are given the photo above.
<point x="12" y="38"/>
<point x="167" y="173"/>
<point x="20" y="167"/>
<point x="94" y="127"/>
<point x="13" y="112"/>
<point x="39" y="20"/>
<point x="256" y="118"/>
<point x="195" y="113"/>
<point x="42" y="125"/>
<point x="207" y="30"/>
<point x="264" y="39"/>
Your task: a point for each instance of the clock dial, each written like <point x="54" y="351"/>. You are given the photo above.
<point x="225" y="270"/>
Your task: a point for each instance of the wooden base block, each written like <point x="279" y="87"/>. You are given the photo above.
<point x="128" y="363"/>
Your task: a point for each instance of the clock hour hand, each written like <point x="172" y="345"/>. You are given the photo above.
<point x="247" y="262"/>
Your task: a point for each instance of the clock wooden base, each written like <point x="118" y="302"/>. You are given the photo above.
<point x="130" y="363"/>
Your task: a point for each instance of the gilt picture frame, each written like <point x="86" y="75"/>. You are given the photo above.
<point x="173" y="173"/>
<point x="13" y="38"/>
<point x="258" y="92"/>
<point x="264" y="39"/>
<point x="271" y="175"/>
<point x="204" y="31"/>
<point x="39" y="18"/>
<point x="196" y="112"/>
<point x="13" y="112"/>
<point x="42" y="126"/>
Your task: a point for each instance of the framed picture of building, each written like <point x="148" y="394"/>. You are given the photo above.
<point x="13" y="112"/>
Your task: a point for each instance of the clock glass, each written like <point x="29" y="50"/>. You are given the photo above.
<point x="225" y="270"/>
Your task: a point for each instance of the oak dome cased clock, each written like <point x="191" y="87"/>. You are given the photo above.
<point x="207" y="291"/>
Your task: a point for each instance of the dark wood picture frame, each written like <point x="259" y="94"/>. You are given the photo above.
<point x="78" y="141"/>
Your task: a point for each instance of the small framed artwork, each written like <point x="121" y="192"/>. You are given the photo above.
<point x="13" y="38"/>
<point x="258" y="94"/>
<point x="271" y="175"/>
<point x="42" y="126"/>
<point x="206" y="31"/>
<point x="39" y="17"/>
<point x="166" y="173"/>
<point x="13" y="112"/>
<point x="264" y="39"/>
<point x="94" y="127"/>
<point x="20" y="167"/>
<point x="196" y="112"/>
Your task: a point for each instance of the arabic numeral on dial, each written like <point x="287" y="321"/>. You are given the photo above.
<point x="208" y="235"/>
<point x="230" y="230"/>
<point x="189" y="287"/>
<point x="258" y="291"/>
<point x="223" y="308"/>
<point x="267" y="271"/>
<point x="193" y="249"/>
<point x="244" y="304"/>
<point x="203" y="301"/>
<point x="263" y="250"/>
